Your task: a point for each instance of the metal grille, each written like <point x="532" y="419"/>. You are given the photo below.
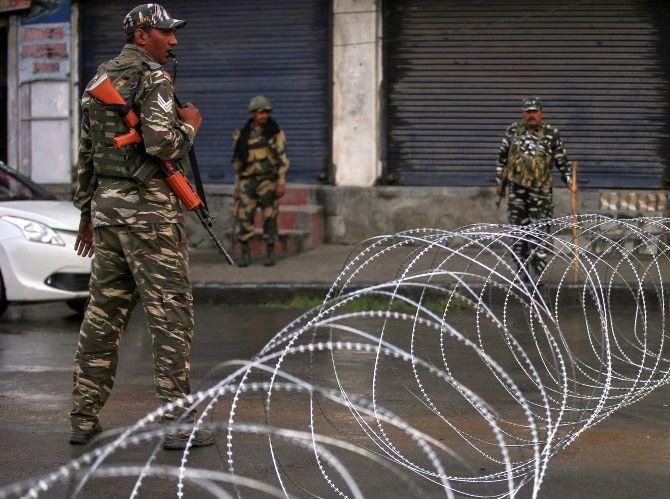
<point x="457" y="72"/>
<point x="230" y="51"/>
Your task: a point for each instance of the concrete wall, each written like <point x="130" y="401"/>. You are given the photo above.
<point x="50" y="131"/>
<point x="356" y="92"/>
<point x="353" y="214"/>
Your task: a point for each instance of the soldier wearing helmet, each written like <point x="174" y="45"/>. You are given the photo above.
<point x="260" y="161"/>
<point x="139" y="243"/>
<point x="529" y="150"/>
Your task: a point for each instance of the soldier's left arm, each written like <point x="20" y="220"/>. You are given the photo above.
<point x="86" y="184"/>
<point x="165" y="136"/>
<point x="560" y="156"/>
<point x="279" y="148"/>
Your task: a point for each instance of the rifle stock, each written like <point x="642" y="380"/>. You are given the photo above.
<point x="102" y="90"/>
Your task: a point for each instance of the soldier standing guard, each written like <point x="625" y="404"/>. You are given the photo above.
<point x="133" y="224"/>
<point x="261" y="164"/>
<point x="528" y="151"/>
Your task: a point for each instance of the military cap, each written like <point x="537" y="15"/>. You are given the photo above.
<point x="532" y="104"/>
<point x="150" y="15"/>
<point x="260" y="102"/>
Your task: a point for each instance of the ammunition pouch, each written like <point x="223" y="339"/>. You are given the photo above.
<point x="146" y="171"/>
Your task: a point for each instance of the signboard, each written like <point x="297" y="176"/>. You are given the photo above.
<point x="12" y="5"/>
<point x="44" y="42"/>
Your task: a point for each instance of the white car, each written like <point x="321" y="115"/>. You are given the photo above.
<point x="37" y="257"/>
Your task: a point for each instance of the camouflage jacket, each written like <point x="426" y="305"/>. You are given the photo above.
<point x="526" y="157"/>
<point x="267" y="157"/>
<point x="110" y="199"/>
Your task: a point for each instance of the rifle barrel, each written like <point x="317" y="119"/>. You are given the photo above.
<point x="206" y="223"/>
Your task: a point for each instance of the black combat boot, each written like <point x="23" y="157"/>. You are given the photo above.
<point x="178" y="439"/>
<point x="270" y="259"/>
<point x="81" y="437"/>
<point x="245" y="259"/>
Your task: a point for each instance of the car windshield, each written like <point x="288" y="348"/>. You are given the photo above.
<point x="16" y="187"/>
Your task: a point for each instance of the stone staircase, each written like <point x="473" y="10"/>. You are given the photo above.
<point x="301" y="223"/>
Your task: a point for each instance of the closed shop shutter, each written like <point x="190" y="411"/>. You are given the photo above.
<point x="228" y="52"/>
<point x="456" y="72"/>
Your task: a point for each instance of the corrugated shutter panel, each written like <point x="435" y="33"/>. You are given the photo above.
<point x="457" y="72"/>
<point x="3" y="94"/>
<point x="229" y="52"/>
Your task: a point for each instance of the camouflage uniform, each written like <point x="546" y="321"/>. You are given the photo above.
<point x="525" y="160"/>
<point x="139" y="238"/>
<point x="257" y="180"/>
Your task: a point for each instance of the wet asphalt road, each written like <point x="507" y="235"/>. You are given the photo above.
<point x="627" y="455"/>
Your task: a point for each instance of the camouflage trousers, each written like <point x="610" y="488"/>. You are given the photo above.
<point x="257" y="193"/>
<point x="524" y="206"/>
<point x="149" y="262"/>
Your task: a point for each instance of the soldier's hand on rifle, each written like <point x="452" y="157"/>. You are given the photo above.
<point x="281" y="190"/>
<point x="83" y="245"/>
<point x="191" y="115"/>
<point x="573" y="187"/>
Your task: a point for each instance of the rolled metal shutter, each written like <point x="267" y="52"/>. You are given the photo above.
<point x="228" y="52"/>
<point x="456" y="72"/>
<point x="3" y="94"/>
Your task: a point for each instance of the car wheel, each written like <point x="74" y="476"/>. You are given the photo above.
<point x="3" y="296"/>
<point x="78" y="305"/>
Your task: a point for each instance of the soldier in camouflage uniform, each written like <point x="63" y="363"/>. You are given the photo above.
<point x="261" y="164"/>
<point x="134" y="228"/>
<point x="529" y="150"/>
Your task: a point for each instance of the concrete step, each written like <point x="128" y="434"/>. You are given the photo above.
<point x="301" y="223"/>
<point x="288" y="242"/>
<point x="298" y="194"/>
<point x="307" y="217"/>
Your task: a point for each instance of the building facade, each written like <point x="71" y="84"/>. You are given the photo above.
<point x="393" y="109"/>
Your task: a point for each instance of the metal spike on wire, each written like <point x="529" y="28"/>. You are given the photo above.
<point x="575" y="241"/>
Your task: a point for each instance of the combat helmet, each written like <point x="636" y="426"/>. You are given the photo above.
<point x="260" y="102"/>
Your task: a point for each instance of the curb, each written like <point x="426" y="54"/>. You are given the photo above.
<point x="255" y="294"/>
<point x="260" y="293"/>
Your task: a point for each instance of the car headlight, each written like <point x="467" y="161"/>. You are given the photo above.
<point x="35" y="231"/>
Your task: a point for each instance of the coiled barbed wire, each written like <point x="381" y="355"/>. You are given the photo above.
<point x="438" y="361"/>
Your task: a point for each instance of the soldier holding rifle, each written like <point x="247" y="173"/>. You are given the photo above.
<point x="529" y="150"/>
<point x="133" y="225"/>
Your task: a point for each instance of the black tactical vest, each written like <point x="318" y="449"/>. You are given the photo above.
<point x="526" y="169"/>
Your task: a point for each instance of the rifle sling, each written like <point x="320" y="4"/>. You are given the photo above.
<point x="197" y="179"/>
<point x="193" y="160"/>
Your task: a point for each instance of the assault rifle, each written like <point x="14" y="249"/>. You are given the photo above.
<point x="102" y="90"/>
